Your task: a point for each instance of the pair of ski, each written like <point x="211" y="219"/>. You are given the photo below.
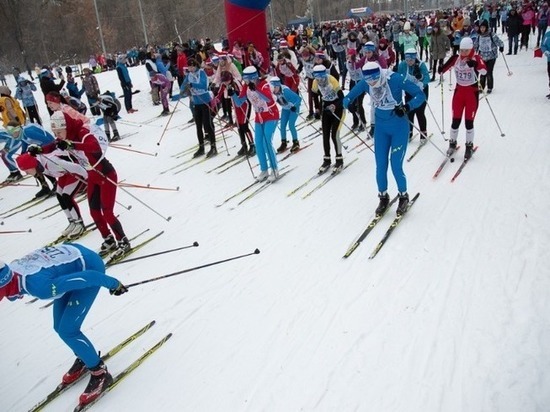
<point x="26" y="206"/>
<point x="200" y="160"/>
<point x="317" y="175"/>
<point x="263" y="185"/>
<point x="419" y="147"/>
<point x="373" y="223"/>
<point x="460" y="168"/>
<point x="61" y="388"/>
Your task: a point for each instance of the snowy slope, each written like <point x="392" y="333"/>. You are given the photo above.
<point x="452" y="315"/>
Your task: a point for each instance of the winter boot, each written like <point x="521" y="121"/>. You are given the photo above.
<point x="452" y="147"/>
<point x="295" y="146"/>
<point x="78" y="229"/>
<point x="212" y="152"/>
<point x="361" y="128"/>
<point x="108" y="245"/>
<point x="262" y="176"/>
<point x="100" y="379"/>
<point x="282" y="147"/>
<point x="469" y="150"/>
<point x="383" y="205"/>
<point x="199" y="152"/>
<point x="69" y="228"/>
<point x="273" y="176"/>
<point x="116" y="136"/>
<point x="74" y="373"/>
<point x="108" y="135"/>
<point x="165" y="112"/>
<point x="251" y="151"/>
<point x="423" y="136"/>
<point x="325" y="166"/>
<point x="403" y="203"/>
<point x="242" y="151"/>
<point x="338" y="164"/>
<point x="45" y="191"/>
<point x="310" y="117"/>
<point x="123" y="246"/>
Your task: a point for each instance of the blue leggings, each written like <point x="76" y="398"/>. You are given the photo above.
<point x="79" y="292"/>
<point x="391" y="137"/>
<point x="263" y="138"/>
<point x="289" y="118"/>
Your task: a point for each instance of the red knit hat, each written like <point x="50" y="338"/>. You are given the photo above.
<point x="26" y="162"/>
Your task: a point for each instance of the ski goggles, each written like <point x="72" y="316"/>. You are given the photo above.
<point x="369" y="48"/>
<point x="371" y="76"/>
<point x="410" y="56"/>
<point x="13" y="130"/>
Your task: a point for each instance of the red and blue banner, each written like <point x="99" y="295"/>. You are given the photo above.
<point x="246" y="22"/>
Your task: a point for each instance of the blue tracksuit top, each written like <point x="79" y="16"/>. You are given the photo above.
<point x="287" y="98"/>
<point x="198" y="86"/>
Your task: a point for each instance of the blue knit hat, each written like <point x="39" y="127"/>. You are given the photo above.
<point x="5" y="274"/>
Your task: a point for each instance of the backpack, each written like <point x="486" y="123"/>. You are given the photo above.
<point x="110" y="97"/>
<point x="19" y="112"/>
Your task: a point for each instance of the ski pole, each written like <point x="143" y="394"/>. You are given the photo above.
<point x="164" y="252"/>
<point x="506" y="63"/>
<point x="167" y="123"/>
<point x="180" y="272"/>
<point x="12" y="232"/>
<point x="442" y="103"/>
<point x="429" y="140"/>
<point x="137" y="186"/>
<point x="493" y="113"/>
<point x="352" y="131"/>
<point x="132" y="150"/>
<point x="436" y="123"/>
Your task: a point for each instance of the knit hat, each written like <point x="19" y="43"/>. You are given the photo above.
<point x="369" y="46"/>
<point x="275" y="81"/>
<point x="466" y="43"/>
<point x="320" y="55"/>
<point x="250" y="73"/>
<point x="57" y="121"/>
<point x="53" y="97"/>
<point x="319" y="71"/>
<point x="371" y="72"/>
<point x="407" y="26"/>
<point x="410" y="53"/>
<point x="5" y="274"/>
<point x="283" y="43"/>
<point x="26" y="162"/>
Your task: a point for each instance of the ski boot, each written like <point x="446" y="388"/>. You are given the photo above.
<point x="403" y="203"/>
<point x="295" y="146"/>
<point x="243" y="150"/>
<point x="199" y="152"/>
<point x="251" y="151"/>
<point x="361" y="128"/>
<point x="122" y="247"/>
<point x="165" y="112"/>
<point x="310" y="117"/>
<point x="273" y="176"/>
<point x="14" y="177"/>
<point x="282" y="147"/>
<point x="452" y="147"/>
<point x="262" y="176"/>
<point x="338" y="164"/>
<point x="45" y="191"/>
<point x="116" y="136"/>
<point x="77" y="230"/>
<point x="69" y="228"/>
<point x="384" y="203"/>
<point x="74" y="373"/>
<point x="469" y="150"/>
<point x="325" y="166"/>
<point x="100" y="379"/>
<point x="212" y="152"/>
<point x="108" y="245"/>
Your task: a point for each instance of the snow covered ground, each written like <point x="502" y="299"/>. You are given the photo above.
<point x="452" y="315"/>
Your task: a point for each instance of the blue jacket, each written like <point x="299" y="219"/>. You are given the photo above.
<point x="545" y="45"/>
<point x="287" y="99"/>
<point x="409" y="73"/>
<point x="197" y="82"/>
<point x="123" y="74"/>
<point x="397" y="84"/>
<point x="24" y="92"/>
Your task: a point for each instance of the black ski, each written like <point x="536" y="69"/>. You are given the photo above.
<point x="392" y="227"/>
<point x="369" y="229"/>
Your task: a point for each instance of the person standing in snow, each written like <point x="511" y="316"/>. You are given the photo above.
<point x="125" y="83"/>
<point x="391" y="130"/>
<point x="259" y="94"/>
<point x="290" y="110"/>
<point x="89" y="82"/>
<point x="72" y="275"/>
<point x="24" y="92"/>
<point x="488" y="44"/>
<point x="545" y="46"/>
<point x="468" y="65"/>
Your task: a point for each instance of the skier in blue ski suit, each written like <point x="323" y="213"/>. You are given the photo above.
<point x="391" y="125"/>
<point x="290" y="110"/>
<point x="72" y="275"/>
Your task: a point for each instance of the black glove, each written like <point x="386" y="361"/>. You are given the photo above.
<point x="401" y="110"/>
<point x="293" y="109"/>
<point x="34" y="149"/>
<point x="417" y="73"/>
<point x="371" y="131"/>
<point x="119" y="290"/>
<point x="439" y="70"/>
<point x="230" y="91"/>
<point x="501" y="49"/>
<point x="64" y="144"/>
<point x="252" y="86"/>
<point x="472" y="63"/>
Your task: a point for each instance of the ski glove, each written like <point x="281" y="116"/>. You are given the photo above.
<point x="34" y="149"/>
<point x="230" y="91"/>
<point x="417" y="73"/>
<point x="119" y="290"/>
<point x="472" y="64"/>
<point x="501" y="49"/>
<point x="293" y="109"/>
<point x="252" y="86"/>
<point x="371" y="131"/>
<point x="331" y="108"/>
<point x="64" y="144"/>
<point x="401" y="110"/>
